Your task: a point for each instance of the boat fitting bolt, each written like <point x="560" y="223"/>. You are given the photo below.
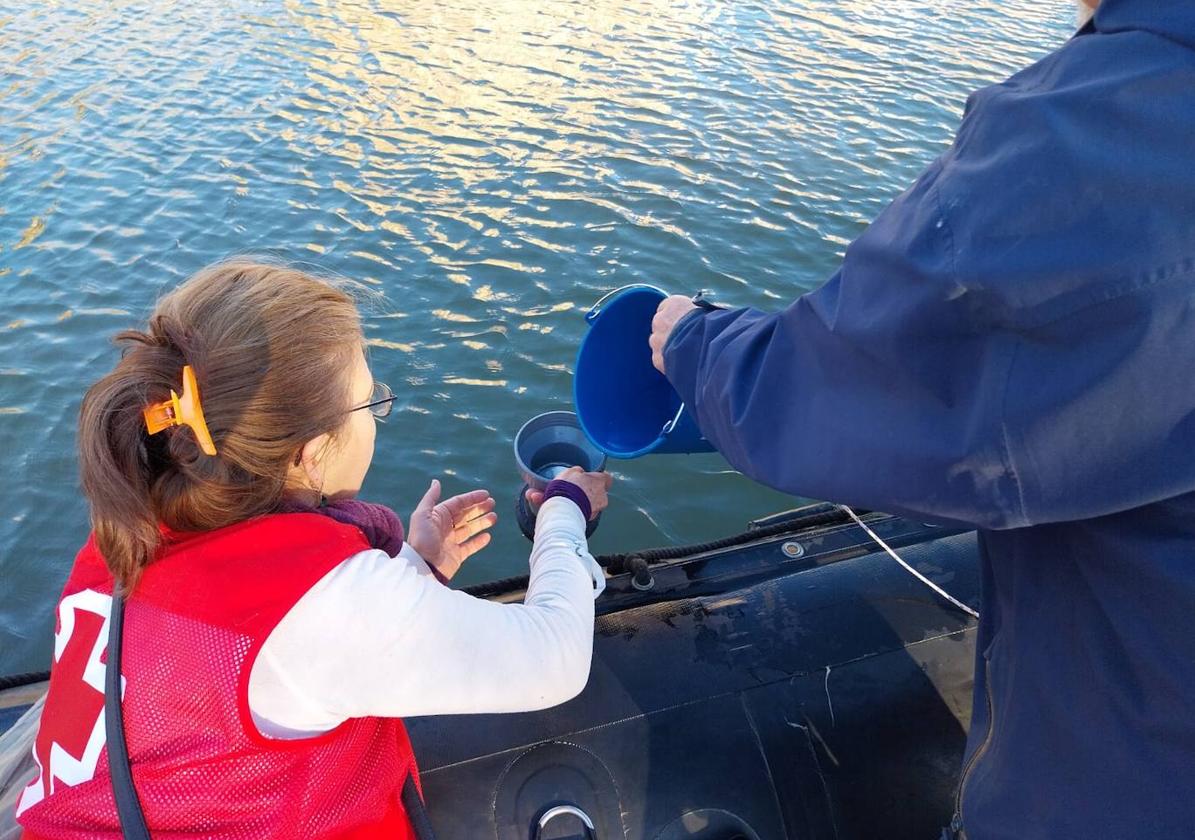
<point x="792" y="549"/>
<point x="641" y="577"/>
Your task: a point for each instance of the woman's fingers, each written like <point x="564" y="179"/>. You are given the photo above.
<point x="457" y="505"/>
<point x="429" y="498"/>
<point x="473" y="545"/>
<point x="478" y="510"/>
<point x="476" y="525"/>
<point x="483" y="507"/>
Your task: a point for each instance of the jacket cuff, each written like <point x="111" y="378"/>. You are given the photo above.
<point x="568" y="490"/>
<point x="682" y="355"/>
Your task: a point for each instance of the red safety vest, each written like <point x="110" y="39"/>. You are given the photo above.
<point x="193" y="628"/>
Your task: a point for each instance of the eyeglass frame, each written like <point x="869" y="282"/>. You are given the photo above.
<point x="386" y="402"/>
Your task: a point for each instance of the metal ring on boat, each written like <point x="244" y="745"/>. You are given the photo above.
<point x="565" y="810"/>
<point x="792" y="548"/>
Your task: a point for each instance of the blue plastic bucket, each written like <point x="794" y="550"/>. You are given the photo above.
<point x="625" y="406"/>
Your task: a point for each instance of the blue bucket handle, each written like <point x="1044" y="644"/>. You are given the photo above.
<point x="699" y="300"/>
<point x="671" y="424"/>
<point x="596" y="309"/>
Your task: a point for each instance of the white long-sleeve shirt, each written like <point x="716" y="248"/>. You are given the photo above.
<point x="380" y="636"/>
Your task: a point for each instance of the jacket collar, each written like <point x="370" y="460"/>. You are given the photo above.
<point x="1173" y="19"/>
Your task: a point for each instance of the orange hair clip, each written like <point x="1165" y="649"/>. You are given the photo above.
<point x="182" y="411"/>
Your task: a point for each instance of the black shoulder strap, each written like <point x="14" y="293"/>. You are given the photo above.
<point x="413" y="802"/>
<point x="132" y="820"/>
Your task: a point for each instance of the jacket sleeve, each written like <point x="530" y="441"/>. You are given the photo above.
<point x="879" y="389"/>
<point x="981" y="357"/>
<point x="380" y="636"/>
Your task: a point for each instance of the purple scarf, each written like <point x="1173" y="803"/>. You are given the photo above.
<point x="381" y="526"/>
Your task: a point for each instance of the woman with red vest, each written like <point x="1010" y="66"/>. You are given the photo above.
<point x="277" y="629"/>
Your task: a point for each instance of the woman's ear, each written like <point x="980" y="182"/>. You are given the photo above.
<point x="310" y="460"/>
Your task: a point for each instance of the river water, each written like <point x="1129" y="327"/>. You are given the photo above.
<point x="491" y="168"/>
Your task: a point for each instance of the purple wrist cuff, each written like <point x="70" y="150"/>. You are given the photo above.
<point x="570" y="491"/>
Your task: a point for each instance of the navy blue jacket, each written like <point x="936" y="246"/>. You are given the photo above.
<point x="1011" y="345"/>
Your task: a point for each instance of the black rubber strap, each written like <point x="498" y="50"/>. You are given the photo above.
<point x="702" y="302"/>
<point x="128" y="806"/>
<point x="416" y="813"/>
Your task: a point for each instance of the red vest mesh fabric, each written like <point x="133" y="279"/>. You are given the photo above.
<point x="197" y="620"/>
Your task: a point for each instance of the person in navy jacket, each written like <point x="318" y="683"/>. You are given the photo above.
<point x="1011" y="345"/>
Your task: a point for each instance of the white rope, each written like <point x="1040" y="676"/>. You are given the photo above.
<point x="965" y="608"/>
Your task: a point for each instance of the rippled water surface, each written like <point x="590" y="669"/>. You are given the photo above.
<point x="493" y="168"/>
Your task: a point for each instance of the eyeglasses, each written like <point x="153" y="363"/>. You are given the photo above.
<point x="381" y="400"/>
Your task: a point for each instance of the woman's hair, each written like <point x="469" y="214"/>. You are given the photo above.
<point x="271" y="348"/>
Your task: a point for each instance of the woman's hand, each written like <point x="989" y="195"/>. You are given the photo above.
<point x="447" y="533"/>
<point x="596" y="486"/>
